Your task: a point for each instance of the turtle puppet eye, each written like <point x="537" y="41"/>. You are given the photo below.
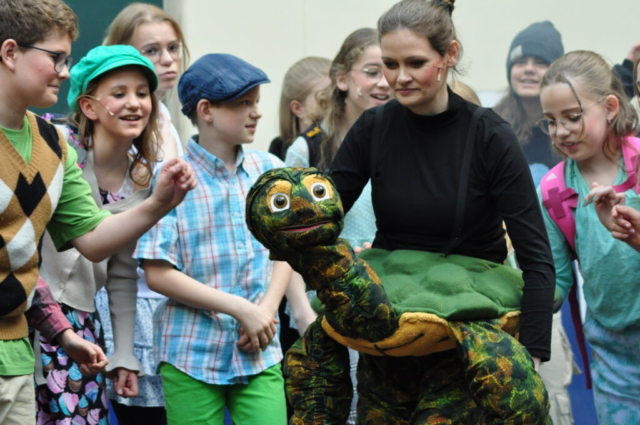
<point x="279" y="202"/>
<point x="319" y="191"/>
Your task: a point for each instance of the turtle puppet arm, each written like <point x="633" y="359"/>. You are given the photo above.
<point x="356" y="304"/>
<point x="318" y="382"/>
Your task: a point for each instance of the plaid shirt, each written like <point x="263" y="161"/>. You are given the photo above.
<point x="206" y="238"/>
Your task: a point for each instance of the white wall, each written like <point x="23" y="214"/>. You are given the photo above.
<point x="273" y="34"/>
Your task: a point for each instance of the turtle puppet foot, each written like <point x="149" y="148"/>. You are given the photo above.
<point x="501" y="374"/>
<point x="317" y="379"/>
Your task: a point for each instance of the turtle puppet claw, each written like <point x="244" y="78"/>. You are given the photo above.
<point x="380" y="303"/>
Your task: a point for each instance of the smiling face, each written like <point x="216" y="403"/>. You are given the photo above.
<point x="526" y="76"/>
<point x="235" y="122"/>
<point x="159" y="42"/>
<point x="560" y="105"/>
<point x="364" y="84"/>
<point x="412" y="66"/>
<point x="292" y="208"/>
<point x="35" y="73"/>
<point x="125" y="93"/>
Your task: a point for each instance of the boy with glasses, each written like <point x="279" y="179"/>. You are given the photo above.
<point x="41" y="186"/>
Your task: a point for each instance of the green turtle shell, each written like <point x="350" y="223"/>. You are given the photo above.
<point x="453" y="288"/>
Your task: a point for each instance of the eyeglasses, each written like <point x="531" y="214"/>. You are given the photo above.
<point x="154" y="52"/>
<point x="373" y="73"/>
<point x="60" y="60"/>
<point x="572" y="122"/>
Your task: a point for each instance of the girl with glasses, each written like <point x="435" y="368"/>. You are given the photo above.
<point x="531" y="52"/>
<point x="589" y="119"/>
<point x="158" y="37"/>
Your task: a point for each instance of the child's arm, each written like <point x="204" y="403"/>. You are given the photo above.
<point x="122" y="275"/>
<point x="256" y="321"/>
<point x="45" y="315"/>
<point x="280" y="277"/>
<point x="116" y="231"/>
<point x="301" y="310"/>
<point x="626" y="225"/>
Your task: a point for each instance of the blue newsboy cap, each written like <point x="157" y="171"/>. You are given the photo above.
<point x="217" y="77"/>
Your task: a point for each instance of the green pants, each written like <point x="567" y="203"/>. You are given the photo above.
<point x="489" y="379"/>
<point x="189" y="401"/>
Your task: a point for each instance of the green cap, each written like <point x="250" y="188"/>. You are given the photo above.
<point x="102" y="59"/>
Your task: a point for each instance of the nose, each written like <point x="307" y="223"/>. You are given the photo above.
<point x="64" y="73"/>
<point x="529" y="66"/>
<point x="256" y="113"/>
<point x="561" y="131"/>
<point x="133" y="102"/>
<point x="383" y="83"/>
<point x="165" y="57"/>
<point x="403" y="75"/>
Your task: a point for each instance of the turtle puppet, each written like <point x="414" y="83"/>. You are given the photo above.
<point x="405" y="304"/>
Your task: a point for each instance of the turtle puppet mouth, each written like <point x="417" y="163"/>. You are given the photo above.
<point x="304" y="228"/>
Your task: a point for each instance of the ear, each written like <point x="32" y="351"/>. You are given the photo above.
<point x="8" y="53"/>
<point x="452" y="55"/>
<point x="203" y="108"/>
<point x="86" y="107"/>
<point x="341" y="81"/>
<point x="612" y="103"/>
<point x="296" y="108"/>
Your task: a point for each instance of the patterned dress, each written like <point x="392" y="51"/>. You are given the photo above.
<point x="69" y="397"/>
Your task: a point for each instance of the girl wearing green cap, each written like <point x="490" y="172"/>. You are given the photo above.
<point x="157" y="35"/>
<point x="114" y="130"/>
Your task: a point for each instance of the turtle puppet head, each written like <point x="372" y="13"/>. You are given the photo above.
<point x="293" y="208"/>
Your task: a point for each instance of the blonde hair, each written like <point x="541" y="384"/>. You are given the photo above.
<point x="428" y="18"/>
<point x="124" y="25"/>
<point x="298" y="83"/>
<point x="595" y="77"/>
<point x="146" y="147"/>
<point x="465" y="92"/>
<point x="31" y="21"/>
<point x="331" y="108"/>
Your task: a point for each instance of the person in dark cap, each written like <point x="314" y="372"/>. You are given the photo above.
<point x="215" y="336"/>
<point x="530" y="54"/>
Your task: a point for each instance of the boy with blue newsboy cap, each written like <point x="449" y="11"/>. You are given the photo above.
<point x="215" y="336"/>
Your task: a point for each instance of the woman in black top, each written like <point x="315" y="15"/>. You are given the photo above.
<point x="413" y="156"/>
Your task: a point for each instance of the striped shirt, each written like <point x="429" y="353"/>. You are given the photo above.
<point x="206" y="238"/>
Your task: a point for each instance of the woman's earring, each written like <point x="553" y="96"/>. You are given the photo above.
<point x="609" y="120"/>
<point x="439" y="71"/>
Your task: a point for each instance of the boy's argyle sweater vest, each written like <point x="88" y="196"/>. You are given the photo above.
<point x="29" y="194"/>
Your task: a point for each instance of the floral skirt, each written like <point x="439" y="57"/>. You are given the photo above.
<point x="68" y="394"/>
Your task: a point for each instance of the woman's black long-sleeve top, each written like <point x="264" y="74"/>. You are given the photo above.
<point x="414" y="168"/>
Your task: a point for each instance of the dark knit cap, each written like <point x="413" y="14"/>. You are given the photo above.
<point x="541" y="40"/>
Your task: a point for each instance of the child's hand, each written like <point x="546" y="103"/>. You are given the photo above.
<point x="125" y="382"/>
<point x="258" y="327"/>
<point x="359" y="249"/>
<point x="604" y="198"/>
<point x="175" y="180"/>
<point x="626" y="225"/>
<point x="89" y="356"/>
